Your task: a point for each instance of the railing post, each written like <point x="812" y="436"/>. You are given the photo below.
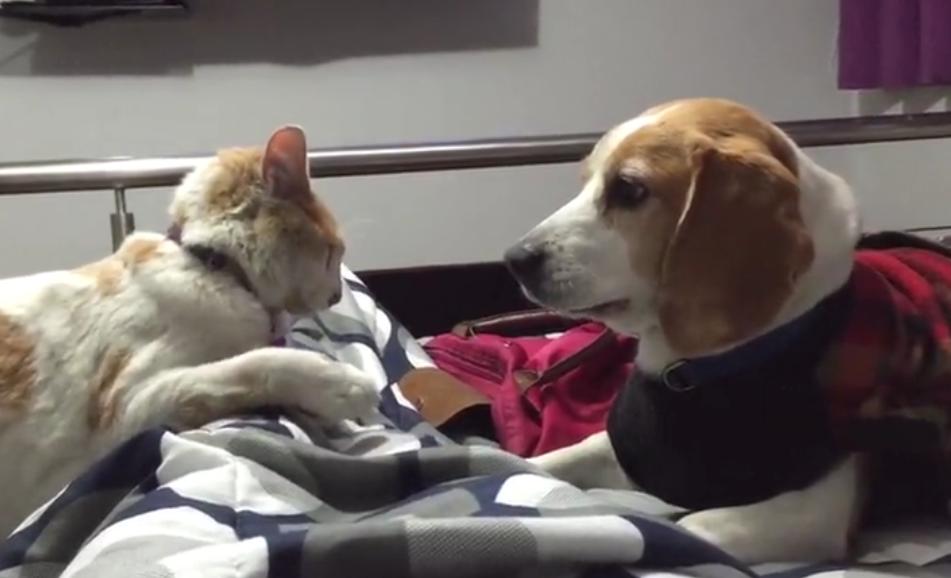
<point x="123" y="222"/>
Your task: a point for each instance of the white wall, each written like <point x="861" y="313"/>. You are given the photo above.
<point x="379" y="71"/>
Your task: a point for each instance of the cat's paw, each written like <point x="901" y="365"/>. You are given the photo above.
<point x="329" y="390"/>
<point x="340" y="392"/>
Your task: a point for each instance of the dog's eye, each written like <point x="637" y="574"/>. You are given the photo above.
<point x="625" y="192"/>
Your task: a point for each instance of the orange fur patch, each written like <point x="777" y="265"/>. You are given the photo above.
<point x="137" y="251"/>
<point x="239" y="177"/>
<point x="17" y="371"/>
<point x="104" y="396"/>
<point x="107" y="274"/>
<point x="323" y="220"/>
<point x="200" y="411"/>
<point x="239" y="172"/>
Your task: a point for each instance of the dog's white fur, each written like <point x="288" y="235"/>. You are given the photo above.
<point x="190" y="342"/>
<point x="812" y="524"/>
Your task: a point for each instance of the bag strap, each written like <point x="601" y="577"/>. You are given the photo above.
<point x="526" y="378"/>
<point x="536" y="322"/>
<point x="517" y="324"/>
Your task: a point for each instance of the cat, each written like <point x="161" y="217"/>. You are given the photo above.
<point x="173" y="329"/>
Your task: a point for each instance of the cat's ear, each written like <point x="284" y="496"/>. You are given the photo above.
<point x="285" y="166"/>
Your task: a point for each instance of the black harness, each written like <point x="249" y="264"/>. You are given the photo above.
<point x="734" y="428"/>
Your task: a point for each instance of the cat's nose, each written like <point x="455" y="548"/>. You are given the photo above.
<point x="335" y="252"/>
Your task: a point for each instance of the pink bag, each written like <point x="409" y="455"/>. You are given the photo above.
<point x="545" y="393"/>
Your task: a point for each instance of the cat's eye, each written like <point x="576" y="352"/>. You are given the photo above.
<point x="216" y="261"/>
<point x="625" y="192"/>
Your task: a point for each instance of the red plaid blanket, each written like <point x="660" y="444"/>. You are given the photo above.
<point x="892" y="361"/>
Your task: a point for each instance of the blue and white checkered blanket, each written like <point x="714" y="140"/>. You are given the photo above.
<point x="268" y="495"/>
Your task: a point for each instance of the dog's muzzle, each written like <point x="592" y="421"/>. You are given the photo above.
<point x="527" y="264"/>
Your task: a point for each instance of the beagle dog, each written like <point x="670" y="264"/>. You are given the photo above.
<point x="758" y="394"/>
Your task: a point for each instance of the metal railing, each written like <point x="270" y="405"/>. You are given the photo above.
<point x="120" y="174"/>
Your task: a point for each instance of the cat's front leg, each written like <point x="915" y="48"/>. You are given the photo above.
<point x="193" y="396"/>
<point x="330" y="390"/>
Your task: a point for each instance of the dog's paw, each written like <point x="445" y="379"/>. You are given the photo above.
<point x="726" y="528"/>
<point x="546" y="462"/>
<point x="754" y="535"/>
<point x="587" y="464"/>
<point x="342" y="392"/>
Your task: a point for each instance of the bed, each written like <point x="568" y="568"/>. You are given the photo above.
<point x="273" y="494"/>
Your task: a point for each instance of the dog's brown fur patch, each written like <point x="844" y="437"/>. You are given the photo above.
<point x="669" y="180"/>
<point x="104" y="401"/>
<point x="723" y="274"/>
<point x="736" y="255"/>
<point x="17" y="370"/>
<point x="730" y="125"/>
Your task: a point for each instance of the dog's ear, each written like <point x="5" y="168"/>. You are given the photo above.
<point x="285" y="166"/>
<point x="737" y="251"/>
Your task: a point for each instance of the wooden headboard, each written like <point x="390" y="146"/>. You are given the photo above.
<point x="430" y="300"/>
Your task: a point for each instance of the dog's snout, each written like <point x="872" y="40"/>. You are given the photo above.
<point x="335" y="298"/>
<point x="525" y="260"/>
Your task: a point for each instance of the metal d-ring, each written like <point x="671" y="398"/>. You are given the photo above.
<point x="675" y="380"/>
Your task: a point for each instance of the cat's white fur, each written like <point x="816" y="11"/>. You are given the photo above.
<point x="152" y="336"/>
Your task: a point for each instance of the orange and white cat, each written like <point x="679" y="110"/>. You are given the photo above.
<point x="173" y="329"/>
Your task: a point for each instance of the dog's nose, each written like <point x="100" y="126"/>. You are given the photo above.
<point x="335" y="298"/>
<point x="525" y="260"/>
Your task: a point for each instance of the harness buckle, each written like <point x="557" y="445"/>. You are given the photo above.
<point x="675" y="380"/>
